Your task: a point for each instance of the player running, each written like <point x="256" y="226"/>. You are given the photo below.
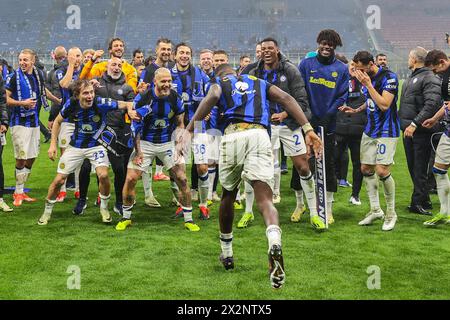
<point x="245" y="153"/>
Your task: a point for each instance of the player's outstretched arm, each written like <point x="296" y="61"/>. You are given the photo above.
<point x="53" y="150"/>
<point x="293" y="108"/>
<point x="429" y="123"/>
<point x="289" y="104"/>
<point x="206" y="105"/>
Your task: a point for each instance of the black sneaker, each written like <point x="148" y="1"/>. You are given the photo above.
<point x="228" y="262"/>
<point x="276" y="267"/>
<point x="79" y="207"/>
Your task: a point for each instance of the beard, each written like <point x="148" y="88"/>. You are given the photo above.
<point x="115" y="76"/>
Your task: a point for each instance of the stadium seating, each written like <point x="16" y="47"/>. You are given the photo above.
<point x="406" y="25"/>
<point x="141" y="22"/>
<point x="232" y="25"/>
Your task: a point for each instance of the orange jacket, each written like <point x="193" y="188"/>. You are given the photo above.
<point x="91" y="71"/>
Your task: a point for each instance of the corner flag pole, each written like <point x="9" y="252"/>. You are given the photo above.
<point x="321" y="182"/>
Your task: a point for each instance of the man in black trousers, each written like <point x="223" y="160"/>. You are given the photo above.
<point x="420" y="100"/>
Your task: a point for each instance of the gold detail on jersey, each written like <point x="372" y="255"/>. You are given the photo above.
<point x="253" y="78"/>
<point x="334" y="74"/>
<point x="322" y="81"/>
<point x="96" y="118"/>
<point x="62" y="166"/>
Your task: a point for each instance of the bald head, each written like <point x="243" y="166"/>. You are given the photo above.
<point x="163" y="82"/>
<point x="225" y="69"/>
<point x="60" y="53"/>
<point x="75" y="56"/>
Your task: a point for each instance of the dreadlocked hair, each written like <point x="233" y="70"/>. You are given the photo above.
<point x="331" y="37"/>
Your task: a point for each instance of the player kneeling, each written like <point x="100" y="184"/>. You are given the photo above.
<point x="89" y="114"/>
<point x="160" y="110"/>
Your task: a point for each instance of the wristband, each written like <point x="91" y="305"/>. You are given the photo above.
<point x="307" y="127"/>
<point x="413" y="124"/>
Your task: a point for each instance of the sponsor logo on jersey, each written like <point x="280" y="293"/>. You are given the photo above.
<point x="323" y="82"/>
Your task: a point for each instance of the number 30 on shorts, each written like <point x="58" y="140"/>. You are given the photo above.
<point x="99" y="155"/>
<point x="381" y="148"/>
<point x="199" y="149"/>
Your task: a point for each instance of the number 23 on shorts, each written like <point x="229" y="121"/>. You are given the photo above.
<point x="99" y="155"/>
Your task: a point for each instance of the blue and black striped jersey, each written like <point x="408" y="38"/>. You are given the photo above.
<point x="158" y="116"/>
<point x="190" y="85"/>
<point x="87" y="121"/>
<point x="21" y="116"/>
<point x="66" y="93"/>
<point x="383" y="124"/>
<point x="244" y="99"/>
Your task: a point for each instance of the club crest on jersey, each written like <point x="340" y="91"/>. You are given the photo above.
<point x="283" y="78"/>
<point x="62" y="166"/>
<point x="334" y="74"/>
<point x="160" y="124"/>
<point x="241" y="86"/>
<point x="371" y="105"/>
<point x="86" y="128"/>
<point x="185" y="97"/>
<point x="96" y="118"/>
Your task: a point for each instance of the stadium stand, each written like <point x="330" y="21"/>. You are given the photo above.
<point x="406" y="25"/>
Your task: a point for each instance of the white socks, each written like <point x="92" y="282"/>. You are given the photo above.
<point x="309" y="189"/>
<point x="159" y="169"/>
<point x="203" y="187"/>
<point x="21" y="178"/>
<point x="389" y="193"/>
<point x="273" y="233"/>
<point x="211" y="177"/>
<point x="443" y="189"/>
<point x="372" y="191"/>
<point x="249" y="197"/>
<point x="187" y="212"/>
<point x="104" y="201"/>
<point x="126" y="211"/>
<point x="147" y="183"/>
<point x="226" y="243"/>
<point x="277" y="174"/>
<point x="49" y="204"/>
<point x="299" y="197"/>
